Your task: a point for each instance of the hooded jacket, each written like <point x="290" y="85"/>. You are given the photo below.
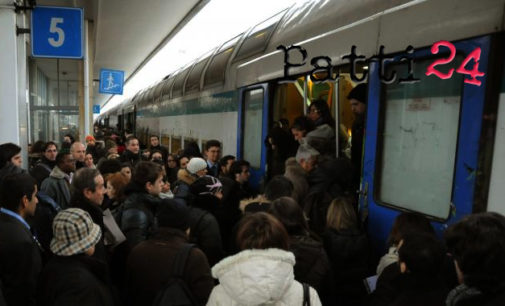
<point x="258" y="277"/>
<point x="57" y="187"/>
<point x="181" y="189"/>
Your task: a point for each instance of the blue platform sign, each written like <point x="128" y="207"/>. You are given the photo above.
<point x="96" y="108"/>
<point x="57" y="32"/>
<point x="111" y="81"/>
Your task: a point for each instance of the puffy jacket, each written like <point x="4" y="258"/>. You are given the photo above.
<point x="258" y="277"/>
<point x="57" y="187"/>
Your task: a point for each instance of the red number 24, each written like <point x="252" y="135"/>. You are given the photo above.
<point x="473" y="73"/>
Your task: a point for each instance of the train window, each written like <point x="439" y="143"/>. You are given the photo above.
<point x="252" y="124"/>
<point x="179" y="82"/>
<point x="417" y="139"/>
<point x="167" y="86"/>
<point x="176" y="144"/>
<point x="193" y="82"/>
<point x="157" y="91"/>
<point x="257" y="40"/>
<point x="165" y="140"/>
<point x="216" y="71"/>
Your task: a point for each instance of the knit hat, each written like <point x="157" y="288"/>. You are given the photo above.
<point x="73" y="232"/>
<point x="206" y="185"/>
<point x="173" y="214"/>
<point x="196" y="164"/>
<point x="358" y="93"/>
<point x="90" y="137"/>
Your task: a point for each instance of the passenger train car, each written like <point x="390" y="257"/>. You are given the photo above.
<point x="435" y="136"/>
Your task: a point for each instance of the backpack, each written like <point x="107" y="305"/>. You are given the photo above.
<point x="176" y="291"/>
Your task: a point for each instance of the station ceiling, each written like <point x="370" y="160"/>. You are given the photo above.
<point x="125" y="33"/>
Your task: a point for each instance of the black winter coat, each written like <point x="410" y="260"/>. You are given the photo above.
<point x="312" y="266"/>
<point x="20" y="262"/>
<point x="42" y="170"/>
<point x="137" y="217"/>
<point x="349" y="253"/>
<point x="145" y="278"/>
<point x="74" y="280"/>
<point x="204" y="232"/>
<point x="130" y="157"/>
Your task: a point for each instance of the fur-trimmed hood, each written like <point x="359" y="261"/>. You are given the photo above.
<point x="254" y="277"/>
<point x="57" y="173"/>
<point x="185" y="176"/>
<point x="260" y="199"/>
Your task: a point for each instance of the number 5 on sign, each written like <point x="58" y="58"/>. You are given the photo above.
<point x="57" y="32"/>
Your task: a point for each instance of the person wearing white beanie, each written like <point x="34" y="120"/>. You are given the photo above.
<point x="197" y="166"/>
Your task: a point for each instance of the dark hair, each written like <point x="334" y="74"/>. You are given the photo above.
<point x="212" y="143"/>
<point x="72" y="139"/>
<point x="423" y="254"/>
<point x="191" y="149"/>
<point x="8" y="151"/>
<point x="236" y="167"/>
<point x="14" y="187"/>
<point x="38" y="147"/>
<point x="130" y="138"/>
<point x="224" y="160"/>
<point x="145" y="171"/>
<point x="60" y="157"/>
<point x="302" y="123"/>
<point x="155" y="151"/>
<point x="477" y="243"/>
<point x="109" y="166"/>
<point x="261" y="231"/>
<point x="84" y="178"/>
<point x="409" y="222"/>
<point x="286" y="210"/>
<point x="279" y="186"/>
<point x="358" y="93"/>
<point x="324" y="111"/>
<point x="151" y="136"/>
<point x="48" y="144"/>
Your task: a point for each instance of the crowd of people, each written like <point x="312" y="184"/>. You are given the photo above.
<point x="106" y="223"/>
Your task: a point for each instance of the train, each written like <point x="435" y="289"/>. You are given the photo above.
<point x="435" y="121"/>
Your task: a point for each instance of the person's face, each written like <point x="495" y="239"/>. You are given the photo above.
<point x="226" y="169"/>
<point x="156" y="156"/>
<point x="68" y="164"/>
<point x="155" y="189"/>
<point x="201" y="172"/>
<point x="79" y="152"/>
<point x="126" y="171"/>
<point x="112" y="150"/>
<point x="88" y="160"/>
<point x="133" y="146"/>
<point x="184" y="162"/>
<point x="96" y="197"/>
<point x="17" y="160"/>
<point x="313" y="113"/>
<point x="171" y="162"/>
<point x="90" y="142"/>
<point x="155" y="141"/>
<point x="213" y="154"/>
<point x="244" y="175"/>
<point x="50" y="153"/>
<point x="297" y="134"/>
<point x="357" y="107"/>
<point x="307" y="165"/>
<point x="66" y="139"/>
<point x="111" y="193"/>
<point x="31" y="204"/>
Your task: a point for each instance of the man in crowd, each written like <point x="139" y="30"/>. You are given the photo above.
<point x="225" y="164"/>
<point x="57" y="185"/>
<point x="132" y="153"/>
<point x="357" y="98"/>
<point x="20" y="254"/>
<point x="46" y="164"/>
<point x="212" y="154"/>
<point x="78" y="152"/>
<point x="154" y="142"/>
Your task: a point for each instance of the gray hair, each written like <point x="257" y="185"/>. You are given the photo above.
<point x="306" y="152"/>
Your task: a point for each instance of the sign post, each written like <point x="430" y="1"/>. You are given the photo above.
<point x="57" y="32"/>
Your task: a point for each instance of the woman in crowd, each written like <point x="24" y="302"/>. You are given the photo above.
<point x="262" y="273"/>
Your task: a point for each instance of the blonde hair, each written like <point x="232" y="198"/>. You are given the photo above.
<point x="341" y="215"/>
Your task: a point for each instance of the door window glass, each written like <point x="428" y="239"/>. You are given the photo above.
<point x="252" y="123"/>
<point x="417" y="142"/>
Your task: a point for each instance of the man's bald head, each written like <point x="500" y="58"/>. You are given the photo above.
<point x="78" y="151"/>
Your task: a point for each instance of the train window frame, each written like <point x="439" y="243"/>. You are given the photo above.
<point x="194" y="79"/>
<point x="258" y="37"/>
<point x="167" y="87"/>
<point x="379" y="150"/>
<point x="158" y="92"/>
<point x="215" y="74"/>
<point x="178" y="84"/>
<point x="243" y="122"/>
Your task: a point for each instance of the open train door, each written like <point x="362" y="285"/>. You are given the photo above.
<point x="422" y="139"/>
<point x="252" y="131"/>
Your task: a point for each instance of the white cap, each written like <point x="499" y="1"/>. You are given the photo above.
<point x="196" y="164"/>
